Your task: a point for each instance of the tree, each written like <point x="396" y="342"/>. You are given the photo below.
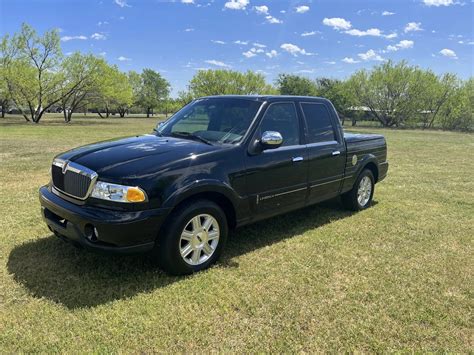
<point x="31" y="66"/>
<point x="81" y="74"/>
<point x="458" y="112"/>
<point x="153" y="90"/>
<point x="112" y="91"/>
<point x="4" y="93"/>
<point x="339" y="94"/>
<point x="228" y="82"/>
<point x="434" y="93"/>
<point x="389" y="91"/>
<point x="289" y="84"/>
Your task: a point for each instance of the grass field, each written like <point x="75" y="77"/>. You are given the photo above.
<point x="398" y="276"/>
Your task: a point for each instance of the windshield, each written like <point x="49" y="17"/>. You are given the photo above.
<point x="214" y="120"/>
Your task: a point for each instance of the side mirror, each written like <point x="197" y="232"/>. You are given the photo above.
<point x="271" y="140"/>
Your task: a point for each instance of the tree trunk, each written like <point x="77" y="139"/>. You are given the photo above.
<point x="64" y="113"/>
<point x="148" y="110"/>
<point x="107" y="112"/>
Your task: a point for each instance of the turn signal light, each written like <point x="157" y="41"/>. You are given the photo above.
<point x="134" y="194"/>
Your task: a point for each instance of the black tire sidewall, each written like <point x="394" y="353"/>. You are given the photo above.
<point x="168" y="246"/>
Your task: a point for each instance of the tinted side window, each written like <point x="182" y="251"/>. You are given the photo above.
<point x="319" y="123"/>
<point x="282" y="118"/>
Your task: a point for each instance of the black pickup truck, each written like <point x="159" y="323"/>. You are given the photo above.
<point x="219" y="163"/>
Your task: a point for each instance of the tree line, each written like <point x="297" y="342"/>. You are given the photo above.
<point x="36" y="78"/>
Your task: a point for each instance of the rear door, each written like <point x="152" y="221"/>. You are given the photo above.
<point x="326" y="151"/>
<point x="277" y="178"/>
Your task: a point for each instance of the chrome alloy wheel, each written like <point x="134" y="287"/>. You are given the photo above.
<point x="364" y="191"/>
<point x="199" y="239"/>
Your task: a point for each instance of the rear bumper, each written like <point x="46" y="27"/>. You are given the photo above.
<point x="383" y="169"/>
<point x="118" y="232"/>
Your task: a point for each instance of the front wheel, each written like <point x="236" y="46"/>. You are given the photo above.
<point x="192" y="239"/>
<point x="360" y="197"/>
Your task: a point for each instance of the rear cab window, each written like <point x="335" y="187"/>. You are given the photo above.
<point x="319" y="123"/>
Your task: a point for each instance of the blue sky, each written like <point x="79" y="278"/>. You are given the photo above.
<point x="312" y="38"/>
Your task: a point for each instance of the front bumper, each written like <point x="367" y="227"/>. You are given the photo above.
<point x="118" y="232"/>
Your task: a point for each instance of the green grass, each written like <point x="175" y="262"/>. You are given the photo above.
<point x="398" y="276"/>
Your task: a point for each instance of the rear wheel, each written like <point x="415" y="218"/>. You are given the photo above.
<point x="192" y="239"/>
<point x="360" y="197"/>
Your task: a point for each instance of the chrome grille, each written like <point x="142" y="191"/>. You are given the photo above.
<point x="72" y="179"/>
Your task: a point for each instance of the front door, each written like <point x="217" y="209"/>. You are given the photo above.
<point x="277" y="178"/>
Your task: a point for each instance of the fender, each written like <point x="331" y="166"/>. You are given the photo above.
<point x="354" y="173"/>
<point x="200" y="186"/>
<point x="366" y="159"/>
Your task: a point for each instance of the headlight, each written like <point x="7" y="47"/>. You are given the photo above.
<point x="118" y="193"/>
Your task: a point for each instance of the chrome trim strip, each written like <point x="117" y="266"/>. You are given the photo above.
<point x="325" y="183"/>
<point x="280" y="194"/>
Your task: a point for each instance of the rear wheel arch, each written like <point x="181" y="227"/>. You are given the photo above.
<point x="372" y="166"/>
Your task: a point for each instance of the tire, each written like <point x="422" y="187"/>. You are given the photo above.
<point x="351" y="199"/>
<point x="185" y="233"/>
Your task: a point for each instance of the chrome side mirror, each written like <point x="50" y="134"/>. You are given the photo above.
<point x="271" y="139"/>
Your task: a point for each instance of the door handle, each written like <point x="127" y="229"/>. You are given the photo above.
<point x="336" y="152"/>
<point x="297" y="159"/>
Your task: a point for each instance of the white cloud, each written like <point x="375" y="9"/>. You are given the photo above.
<point x="188" y="29"/>
<point x="330" y="62"/>
<point x="438" y="2"/>
<point x="262" y="9"/>
<point x="122" y="18"/>
<point x="350" y="60"/>
<point x="388" y="13"/>
<point x="337" y="23"/>
<point x="103" y="54"/>
<point x="217" y="42"/>
<point x="413" y="26"/>
<point x="405" y="44"/>
<point x="249" y="54"/>
<point x="370" y="55"/>
<point x="259" y="45"/>
<point x="217" y="63"/>
<point x="236" y="4"/>
<point x="391" y="35"/>
<point x="272" y="54"/>
<point x="102" y="23"/>
<point x="187" y="1"/>
<point x="311" y="33"/>
<point x="370" y="32"/>
<point x="448" y="53"/>
<point x="293" y="49"/>
<point x="70" y="38"/>
<point x="244" y="43"/>
<point x="253" y="52"/>
<point x="98" y="36"/>
<point x="123" y="59"/>
<point x="274" y="20"/>
<point x="302" y="9"/>
<point x="122" y="3"/>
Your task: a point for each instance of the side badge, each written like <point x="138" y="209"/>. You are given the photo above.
<point x="354" y="159"/>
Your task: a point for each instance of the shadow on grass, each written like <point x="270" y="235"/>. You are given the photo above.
<point x="57" y="271"/>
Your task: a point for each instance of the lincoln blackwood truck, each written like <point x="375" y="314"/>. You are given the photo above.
<point x="219" y="163"/>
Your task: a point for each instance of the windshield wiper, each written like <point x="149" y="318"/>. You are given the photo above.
<point x="191" y="136"/>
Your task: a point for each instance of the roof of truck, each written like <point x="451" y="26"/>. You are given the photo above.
<point x="268" y="97"/>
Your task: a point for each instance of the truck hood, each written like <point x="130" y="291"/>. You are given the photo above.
<point x="135" y="156"/>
